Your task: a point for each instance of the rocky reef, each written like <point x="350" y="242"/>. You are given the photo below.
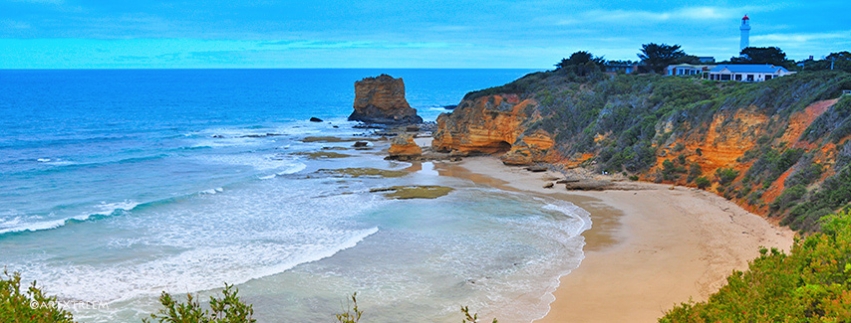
<point x="381" y="100"/>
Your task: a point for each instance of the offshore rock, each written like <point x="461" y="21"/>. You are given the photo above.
<point x="404" y="148"/>
<point x="382" y="100"/>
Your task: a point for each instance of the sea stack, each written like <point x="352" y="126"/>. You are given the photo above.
<point x="381" y="100"/>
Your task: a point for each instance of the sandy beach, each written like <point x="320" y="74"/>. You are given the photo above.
<point x="650" y="247"/>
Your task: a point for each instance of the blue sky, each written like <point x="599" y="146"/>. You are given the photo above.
<point x="397" y="34"/>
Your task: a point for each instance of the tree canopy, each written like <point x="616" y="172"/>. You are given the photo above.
<point x="762" y="55"/>
<point x="581" y="63"/>
<point x="658" y="56"/>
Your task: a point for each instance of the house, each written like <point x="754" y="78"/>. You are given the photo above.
<point x="621" y="67"/>
<point x="747" y="73"/>
<point x="689" y="69"/>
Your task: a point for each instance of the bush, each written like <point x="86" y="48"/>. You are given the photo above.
<point x="811" y="284"/>
<point x="702" y="182"/>
<point x="228" y="309"/>
<point x="29" y="306"/>
<point x="726" y="176"/>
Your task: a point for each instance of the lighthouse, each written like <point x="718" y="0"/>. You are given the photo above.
<point x="745" y="28"/>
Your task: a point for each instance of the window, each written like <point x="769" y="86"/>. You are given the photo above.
<point x="750" y="77"/>
<point x="767" y="77"/>
<point x="738" y="77"/>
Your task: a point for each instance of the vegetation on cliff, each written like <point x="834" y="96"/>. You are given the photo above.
<point x="810" y="284"/>
<point x="754" y="142"/>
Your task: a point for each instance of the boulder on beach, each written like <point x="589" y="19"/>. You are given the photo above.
<point x="403" y="147"/>
<point x="315" y="119"/>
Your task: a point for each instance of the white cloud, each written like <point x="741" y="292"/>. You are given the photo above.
<point x="41" y="1"/>
<point x="13" y="24"/>
<point x="803" y="37"/>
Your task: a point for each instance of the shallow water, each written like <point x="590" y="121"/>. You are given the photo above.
<point x="115" y="190"/>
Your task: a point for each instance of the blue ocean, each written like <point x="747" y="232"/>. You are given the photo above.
<point x="120" y="184"/>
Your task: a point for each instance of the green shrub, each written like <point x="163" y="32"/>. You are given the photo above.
<point x="702" y="182"/>
<point x="30" y="306"/>
<point x="726" y="176"/>
<point x="811" y="284"/>
<point x="228" y="309"/>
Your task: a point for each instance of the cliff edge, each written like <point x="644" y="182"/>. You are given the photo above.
<point x="381" y="100"/>
<point x="780" y="148"/>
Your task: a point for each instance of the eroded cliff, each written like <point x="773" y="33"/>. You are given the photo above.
<point x="776" y="147"/>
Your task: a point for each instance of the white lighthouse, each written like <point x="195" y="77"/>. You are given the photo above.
<point x="746" y="29"/>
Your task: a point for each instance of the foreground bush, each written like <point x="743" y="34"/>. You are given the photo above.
<point x="29" y="306"/>
<point x="811" y="284"/>
<point x="228" y="309"/>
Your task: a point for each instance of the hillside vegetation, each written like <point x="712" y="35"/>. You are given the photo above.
<point x="810" y="284"/>
<point x="779" y="147"/>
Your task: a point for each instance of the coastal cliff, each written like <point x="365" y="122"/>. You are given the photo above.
<point x="494" y="124"/>
<point x="779" y="148"/>
<point x="382" y="100"/>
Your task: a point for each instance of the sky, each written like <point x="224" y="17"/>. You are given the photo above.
<point x="536" y="34"/>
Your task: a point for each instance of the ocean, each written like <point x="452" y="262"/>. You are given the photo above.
<point x="120" y="184"/>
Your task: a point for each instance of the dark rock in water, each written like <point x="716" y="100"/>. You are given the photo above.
<point x="368" y="126"/>
<point x="218" y="136"/>
<point x="537" y="169"/>
<point x="412" y="128"/>
<point x="382" y="100"/>
<point x="549" y="185"/>
<point x="315" y="119"/>
<point x="268" y="134"/>
<point x="359" y="144"/>
<point x="450" y="107"/>
<point x="335" y="127"/>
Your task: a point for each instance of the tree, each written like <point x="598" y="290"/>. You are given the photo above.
<point x="31" y="305"/>
<point x="839" y="61"/>
<point x="762" y="55"/>
<point x="581" y="63"/>
<point x="658" y="57"/>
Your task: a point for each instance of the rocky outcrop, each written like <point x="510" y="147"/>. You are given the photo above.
<point x="403" y="147"/>
<point x="494" y="125"/>
<point x="382" y="100"/>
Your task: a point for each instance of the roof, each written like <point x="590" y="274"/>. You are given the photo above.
<point x="750" y="68"/>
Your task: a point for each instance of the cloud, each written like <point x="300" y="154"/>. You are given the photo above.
<point x="319" y="44"/>
<point x="701" y="13"/>
<point x="803" y="37"/>
<point x="40" y="1"/>
<point x="13" y="24"/>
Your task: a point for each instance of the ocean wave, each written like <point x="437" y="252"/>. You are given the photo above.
<point x="103" y="210"/>
<point x="192" y="270"/>
<point x="285" y="164"/>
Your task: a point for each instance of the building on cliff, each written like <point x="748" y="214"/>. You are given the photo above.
<point x="689" y="69"/>
<point x="747" y="73"/>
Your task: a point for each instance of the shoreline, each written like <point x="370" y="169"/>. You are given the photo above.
<point x="650" y="246"/>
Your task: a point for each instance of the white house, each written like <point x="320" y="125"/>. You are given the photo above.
<point x="747" y="73"/>
<point x="689" y="69"/>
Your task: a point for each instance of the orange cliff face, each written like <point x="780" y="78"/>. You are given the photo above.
<point x="494" y="125"/>
<point x="730" y="136"/>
